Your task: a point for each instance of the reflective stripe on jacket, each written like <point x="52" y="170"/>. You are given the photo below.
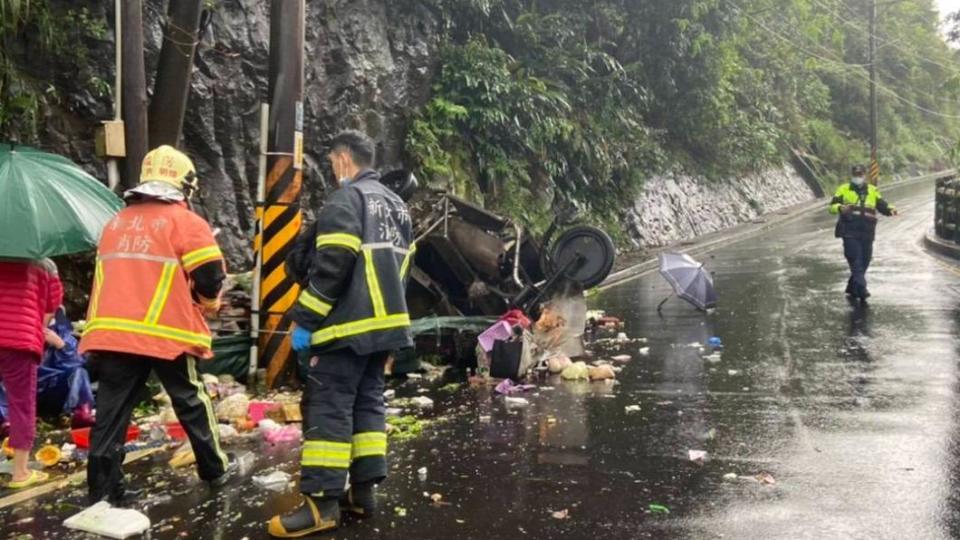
<point x="355" y="295"/>
<point x="143" y="297"/>
<point x="866" y="202"/>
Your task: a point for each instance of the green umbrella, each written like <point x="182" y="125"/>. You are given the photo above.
<point x="48" y="205"/>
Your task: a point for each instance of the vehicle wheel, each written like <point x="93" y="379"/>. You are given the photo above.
<point x="401" y="182"/>
<point x="594" y="245"/>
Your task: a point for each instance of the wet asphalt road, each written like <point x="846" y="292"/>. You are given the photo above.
<point x="852" y="411"/>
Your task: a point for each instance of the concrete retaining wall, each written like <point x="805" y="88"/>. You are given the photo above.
<point x="676" y="207"/>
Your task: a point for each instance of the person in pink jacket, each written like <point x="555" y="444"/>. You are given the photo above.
<point x="30" y="293"/>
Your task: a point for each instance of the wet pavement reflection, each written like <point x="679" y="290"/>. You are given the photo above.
<point x="847" y="415"/>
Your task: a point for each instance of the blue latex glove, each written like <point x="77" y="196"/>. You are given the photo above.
<point x="300" y="339"/>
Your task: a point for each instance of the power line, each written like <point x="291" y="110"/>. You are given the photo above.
<point x="851" y="68"/>
<point x="843" y="62"/>
<point x="788" y="41"/>
<point x="883" y="42"/>
<point x="838" y="60"/>
<point x="934" y="97"/>
<point x="917" y="106"/>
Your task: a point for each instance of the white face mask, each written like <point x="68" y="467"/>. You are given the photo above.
<point x="858" y="180"/>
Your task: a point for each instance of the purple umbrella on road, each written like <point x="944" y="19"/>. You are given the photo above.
<point x="689" y="280"/>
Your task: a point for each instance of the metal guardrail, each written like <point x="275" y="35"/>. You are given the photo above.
<point x="946" y="221"/>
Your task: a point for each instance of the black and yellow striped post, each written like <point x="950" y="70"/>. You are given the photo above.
<point x="873" y="175"/>
<point x="280" y="214"/>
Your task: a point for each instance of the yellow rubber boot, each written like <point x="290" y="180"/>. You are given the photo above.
<point x="312" y="517"/>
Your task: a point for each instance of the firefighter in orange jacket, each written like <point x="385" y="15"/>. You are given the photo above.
<point x="159" y="271"/>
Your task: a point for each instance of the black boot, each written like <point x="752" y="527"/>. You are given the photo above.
<point x="228" y="475"/>
<point x="116" y="493"/>
<point x="119" y="497"/>
<point x="105" y="480"/>
<point x="124" y="496"/>
<point x="360" y="500"/>
<point x="314" y="516"/>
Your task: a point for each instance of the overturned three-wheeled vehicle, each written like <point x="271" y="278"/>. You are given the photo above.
<point x="472" y="266"/>
<point x="470" y="261"/>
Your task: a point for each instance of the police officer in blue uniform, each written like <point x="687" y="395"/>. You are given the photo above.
<point x="351" y="314"/>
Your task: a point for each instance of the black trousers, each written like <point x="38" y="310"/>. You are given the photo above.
<point x="122" y="380"/>
<point x="344" y="422"/>
<point x="859" y="253"/>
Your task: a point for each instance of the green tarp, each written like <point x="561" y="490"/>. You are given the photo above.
<point x="231" y="356"/>
<point x="460" y="324"/>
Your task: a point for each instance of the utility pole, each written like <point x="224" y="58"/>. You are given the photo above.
<point x="134" y="93"/>
<point x="172" y="87"/>
<point x="116" y="138"/>
<point x="279" y="211"/>
<point x="874" y="172"/>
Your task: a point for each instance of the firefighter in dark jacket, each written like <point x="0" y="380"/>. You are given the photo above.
<point x="351" y="314"/>
<point x="857" y="204"/>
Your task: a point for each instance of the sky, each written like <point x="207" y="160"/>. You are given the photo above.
<point x="948" y="6"/>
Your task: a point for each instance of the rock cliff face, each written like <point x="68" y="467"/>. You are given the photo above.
<point x="369" y="66"/>
<point x="677" y="207"/>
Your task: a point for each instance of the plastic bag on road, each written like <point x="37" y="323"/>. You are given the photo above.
<point x="245" y="462"/>
<point x="275" y="481"/>
<point x="576" y="371"/>
<point x="507" y="387"/>
<point x="284" y="434"/>
<point x="422" y="402"/>
<point x="228" y="432"/>
<point x="273" y="432"/>
<point x="105" y="520"/>
<point x="558" y="363"/>
<point x="601" y="373"/>
<point x="183" y="457"/>
<point x="232" y="407"/>
<point x="515" y="402"/>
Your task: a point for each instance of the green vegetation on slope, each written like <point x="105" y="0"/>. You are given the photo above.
<point x="56" y="30"/>
<point x="535" y="99"/>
